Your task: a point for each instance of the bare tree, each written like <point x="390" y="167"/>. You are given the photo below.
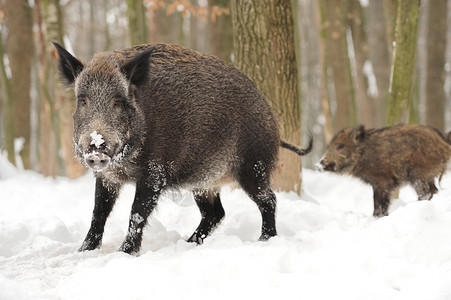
<point x="264" y="50"/>
<point x="402" y="76"/>
<point x="220" y="31"/>
<point x="20" y="54"/>
<point x="334" y="22"/>
<point x="137" y="22"/>
<point x="435" y="69"/>
<point x="379" y="42"/>
<point x="7" y="106"/>
<point x="365" y="100"/>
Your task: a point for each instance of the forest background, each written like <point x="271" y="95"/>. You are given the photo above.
<point x="322" y="64"/>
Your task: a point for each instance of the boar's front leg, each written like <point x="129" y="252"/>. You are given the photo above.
<point x="105" y="197"/>
<point x="381" y="202"/>
<point x="146" y="197"/>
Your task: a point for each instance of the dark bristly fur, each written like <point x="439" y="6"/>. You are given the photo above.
<point x="389" y="157"/>
<point x="171" y="118"/>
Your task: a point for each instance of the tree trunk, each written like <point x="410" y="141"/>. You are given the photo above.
<point x="310" y="73"/>
<point x="325" y="98"/>
<point x="137" y="22"/>
<point x="20" y="54"/>
<point x="379" y="51"/>
<point x="164" y="28"/>
<point x="7" y="106"/>
<point x="264" y="50"/>
<point x="334" y="14"/>
<point x="50" y="143"/>
<point x="435" y="76"/>
<point x="366" y="102"/>
<point x="221" y="33"/>
<point x="57" y="104"/>
<point x="403" y="62"/>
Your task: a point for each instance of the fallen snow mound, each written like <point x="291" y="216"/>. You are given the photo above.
<point x="329" y="245"/>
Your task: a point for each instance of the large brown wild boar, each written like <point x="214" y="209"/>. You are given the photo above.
<point x="165" y="117"/>
<point x="389" y="157"/>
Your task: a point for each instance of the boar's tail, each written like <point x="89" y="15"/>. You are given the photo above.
<point x="448" y="137"/>
<point x="296" y="149"/>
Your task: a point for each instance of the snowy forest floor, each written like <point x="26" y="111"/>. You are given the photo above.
<point x="329" y="246"/>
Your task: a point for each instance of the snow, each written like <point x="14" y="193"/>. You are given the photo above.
<point x="96" y="139"/>
<point x="329" y="246"/>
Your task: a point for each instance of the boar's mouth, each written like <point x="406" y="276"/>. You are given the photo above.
<point x="329" y="167"/>
<point x="97" y="161"/>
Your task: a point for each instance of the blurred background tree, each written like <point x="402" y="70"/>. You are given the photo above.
<point x="265" y="51"/>
<point x="346" y="52"/>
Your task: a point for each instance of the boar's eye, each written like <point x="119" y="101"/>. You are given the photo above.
<point x="118" y="102"/>
<point x="82" y="101"/>
<point x="340" y="147"/>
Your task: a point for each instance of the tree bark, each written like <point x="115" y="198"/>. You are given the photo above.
<point x="334" y="20"/>
<point x="221" y="33"/>
<point x="7" y="106"/>
<point x="435" y="76"/>
<point x="264" y="50"/>
<point x="379" y="52"/>
<point x="20" y="54"/>
<point x="137" y="22"/>
<point x="402" y="75"/>
<point x="325" y="98"/>
<point x="56" y="104"/>
<point x="366" y="102"/>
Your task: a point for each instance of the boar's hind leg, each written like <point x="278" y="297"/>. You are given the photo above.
<point x="146" y="197"/>
<point x="211" y="211"/>
<point x="425" y="189"/>
<point x="105" y="197"/>
<point x="381" y="202"/>
<point x="255" y="181"/>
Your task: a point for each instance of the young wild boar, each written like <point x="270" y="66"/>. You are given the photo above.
<point x="388" y="157"/>
<point x="166" y="117"/>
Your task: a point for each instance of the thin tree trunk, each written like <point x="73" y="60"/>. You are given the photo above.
<point x="20" y="54"/>
<point x="403" y="62"/>
<point x="8" y="106"/>
<point x="380" y="57"/>
<point x="264" y="50"/>
<point x="366" y="103"/>
<point x="57" y="105"/>
<point x="137" y="22"/>
<point x="325" y="98"/>
<point x="435" y="76"/>
<point x="221" y="33"/>
<point x="165" y="28"/>
<point x="50" y="144"/>
<point x="334" y="12"/>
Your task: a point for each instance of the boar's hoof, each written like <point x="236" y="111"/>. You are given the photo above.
<point x="380" y="212"/>
<point x="129" y="247"/>
<point x="265" y="237"/>
<point x="91" y="244"/>
<point x="197" y="238"/>
<point x="97" y="161"/>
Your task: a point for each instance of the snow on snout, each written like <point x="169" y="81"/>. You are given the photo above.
<point x="319" y="166"/>
<point x="96" y="139"/>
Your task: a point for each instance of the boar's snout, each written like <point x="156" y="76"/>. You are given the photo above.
<point x="325" y="165"/>
<point x="97" y="161"/>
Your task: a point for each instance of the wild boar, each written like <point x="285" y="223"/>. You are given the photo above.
<point x="389" y="157"/>
<point x="166" y="117"/>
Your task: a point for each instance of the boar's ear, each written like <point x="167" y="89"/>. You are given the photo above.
<point x="357" y="134"/>
<point x="69" y="67"/>
<point x="137" y="68"/>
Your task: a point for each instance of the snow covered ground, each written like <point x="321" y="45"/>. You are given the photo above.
<point x="329" y="245"/>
